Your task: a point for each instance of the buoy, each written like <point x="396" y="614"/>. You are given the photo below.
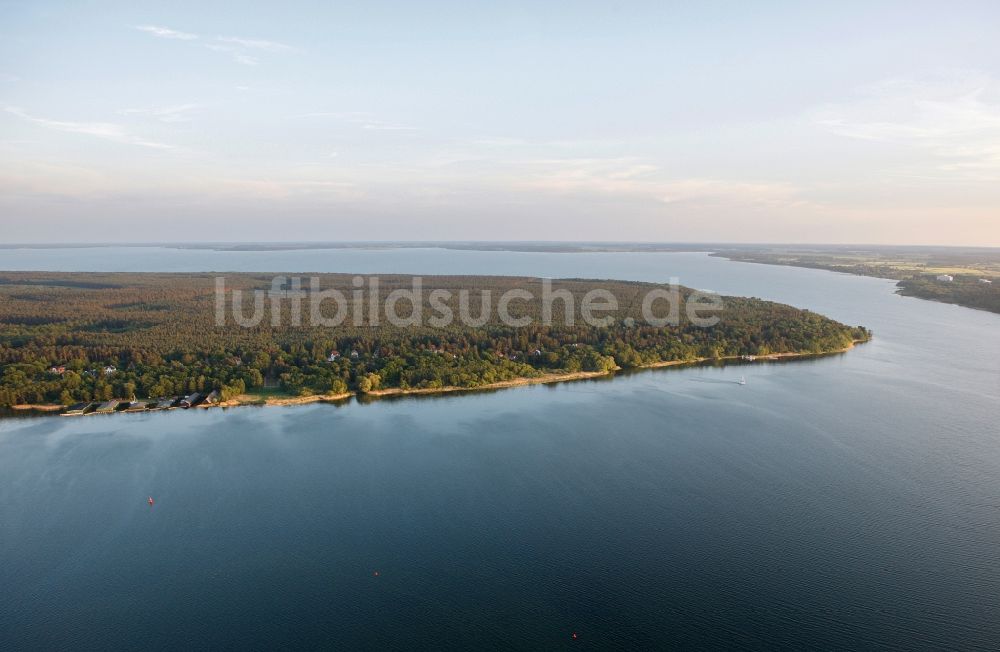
<point x="375" y="573"/>
<point x="574" y="636"/>
<point x="150" y="500"/>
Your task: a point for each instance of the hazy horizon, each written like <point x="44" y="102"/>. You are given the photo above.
<point x="433" y="243"/>
<point x="564" y="122"/>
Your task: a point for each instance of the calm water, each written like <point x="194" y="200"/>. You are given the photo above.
<point x="849" y="502"/>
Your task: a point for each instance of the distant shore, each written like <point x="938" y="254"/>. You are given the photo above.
<point x="544" y="379"/>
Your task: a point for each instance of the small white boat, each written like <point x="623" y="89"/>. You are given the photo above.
<point x="742" y="380"/>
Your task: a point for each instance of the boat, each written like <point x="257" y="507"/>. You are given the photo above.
<point x="150" y="499"/>
<point x="742" y="380"/>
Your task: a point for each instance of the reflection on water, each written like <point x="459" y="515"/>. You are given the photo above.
<point x="843" y="502"/>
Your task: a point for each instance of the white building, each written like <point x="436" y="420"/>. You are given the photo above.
<point x="947" y="278"/>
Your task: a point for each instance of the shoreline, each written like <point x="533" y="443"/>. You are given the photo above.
<point x="544" y="379"/>
<point x="756" y="358"/>
<point x="901" y="279"/>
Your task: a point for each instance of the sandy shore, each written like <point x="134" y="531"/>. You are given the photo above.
<point x="513" y="382"/>
<point x="40" y="408"/>
<point x="757" y="358"/>
<point x="256" y="399"/>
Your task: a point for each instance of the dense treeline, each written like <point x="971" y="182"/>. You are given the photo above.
<point x="73" y="337"/>
<point x="970" y="291"/>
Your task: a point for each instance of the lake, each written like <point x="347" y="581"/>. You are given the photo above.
<point x="846" y="502"/>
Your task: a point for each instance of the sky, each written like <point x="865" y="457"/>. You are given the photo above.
<point x="835" y="122"/>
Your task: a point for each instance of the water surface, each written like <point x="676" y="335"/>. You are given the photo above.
<point x="847" y="502"/>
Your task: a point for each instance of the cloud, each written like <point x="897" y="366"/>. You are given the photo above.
<point x="45" y="179"/>
<point x="256" y="44"/>
<point x="235" y="46"/>
<point x="284" y="189"/>
<point x="350" y="116"/>
<point x="165" y="32"/>
<point x="386" y="126"/>
<point x="363" y="119"/>
<point x="952" y="119"/>
<point x="500" y="142"/>
<point x="628" y="177"/>
<point x="237" y="54"/>
<point x="105" y="130"/>
<point x="176" y="113"/>
<point x="753" y="194"/>
<point x="583" y="144"/>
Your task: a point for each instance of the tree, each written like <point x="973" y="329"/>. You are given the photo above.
<point x="231" y="391"/>
<point x="103" y="392"/>
<point x="369" y="382"/>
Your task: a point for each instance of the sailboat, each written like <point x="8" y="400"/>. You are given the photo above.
<point x="742" y="380"/>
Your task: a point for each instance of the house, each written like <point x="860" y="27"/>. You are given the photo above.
<point x="57" y="370"/>
<point x="77" y="409"/>
<point x="947" y="278"/>
<point x="190" y="400"/>
<point x="354" y="355"/>
<point x="211" y="399"/>
<point x="165" y="404"/>
<point x="986" y="281"/>
<point x="333" y="356"/>
<point x="137" y="406"/>
<point x="107" y="407"/>
<point x="109" y="370"/>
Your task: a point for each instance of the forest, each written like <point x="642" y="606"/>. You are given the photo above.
<point x="965" y="290"/>
<point x="69" y="337"/>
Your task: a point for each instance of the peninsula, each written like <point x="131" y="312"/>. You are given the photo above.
<point x="152" y="339"/>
